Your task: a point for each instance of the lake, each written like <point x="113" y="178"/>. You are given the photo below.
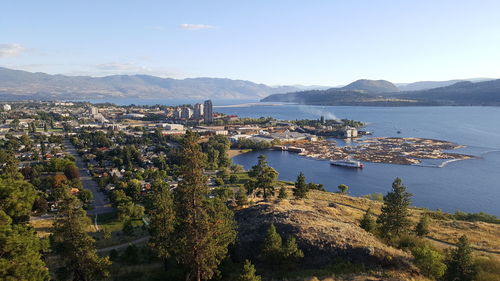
<point x="468" y="185"/>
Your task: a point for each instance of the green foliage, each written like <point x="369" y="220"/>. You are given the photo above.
<point x="367" y="222"/>
<point x="241" y="197"/>
<point x="422" y="227"/>
<point x="375" y="197"/>
<point x="460" y="263"/>
<point x="283" y="194"/>
<point x="129" y="210"/>
<point x="291" y="252"/>
<point x="216" y="149"/>
<point x="300" y="190"/>
<point x="204" y="227"/>
<point x="20" y="252"/>
<point x="394" y="219"/>
<point x="263" y="178"/>
<point x="248" y="272"/>
<point x="75" y="247"/>
<point x="271" y="248"/>
<point x="343" y="188"/>
<point x="429" y="261"/>
<point x="17" y="198"/>
<point x="162" y="219"/>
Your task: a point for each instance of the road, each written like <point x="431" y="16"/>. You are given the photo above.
<point x="100" y="203"/>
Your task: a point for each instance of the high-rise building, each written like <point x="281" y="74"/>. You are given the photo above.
<point x="94" y="111"/>
<point x="208" y="116"/>
<point x="198" y="111"/>
<point x="177" y="112"/>
<point x="186" y="112"/>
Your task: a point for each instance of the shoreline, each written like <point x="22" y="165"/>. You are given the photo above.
<point x="231" y="153"/>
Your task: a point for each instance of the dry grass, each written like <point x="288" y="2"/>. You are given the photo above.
<point x="484" y="236"/>
<point x="43" y="227"/>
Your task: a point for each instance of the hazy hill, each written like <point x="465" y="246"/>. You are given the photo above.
<point x="16" y="84"/>
<point x="425" y="85"/>
<point x="372" y="86"/>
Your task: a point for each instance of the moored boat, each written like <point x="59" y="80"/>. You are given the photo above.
<point x="347" y="163"/>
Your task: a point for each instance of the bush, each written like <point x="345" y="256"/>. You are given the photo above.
<point x="429" y="261"/>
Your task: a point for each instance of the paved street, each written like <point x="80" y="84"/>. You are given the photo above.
<point x="100" y="203"/>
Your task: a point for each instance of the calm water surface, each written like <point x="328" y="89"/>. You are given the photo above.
<point x="469" y="185"/>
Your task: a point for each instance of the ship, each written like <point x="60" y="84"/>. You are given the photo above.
<point x="347" y="163"/>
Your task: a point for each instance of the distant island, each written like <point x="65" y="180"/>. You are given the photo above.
<point x="384" y="93"/>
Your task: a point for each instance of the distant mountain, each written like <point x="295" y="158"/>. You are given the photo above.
<point x="425" y="85"/>
<point x="460" y="93"/>
<point x="372" y="86"/>
<point x="16" y="84"/>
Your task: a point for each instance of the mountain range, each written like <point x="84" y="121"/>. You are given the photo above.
<point x="384" y="93"/>
<point x="19" y="85"/>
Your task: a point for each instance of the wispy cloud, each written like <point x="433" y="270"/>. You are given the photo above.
<point x="126" y="68"/>
<point x="11" y="50"/>
<point x="193" y="26"/>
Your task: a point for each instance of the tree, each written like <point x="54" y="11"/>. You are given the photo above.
<point x="263" y="177"/>
<point x="204" y="227"/>
<point x="85" y="196"/>
<point x="271" y="248"/>
<point x="248" y="273"/>
<point x="343" y="188"/>
<point x="460" y="264"/>
<point x="20" y="252"/>
<point x="130" y="211"/>
<point x="241" y="197"/>
<point x="291" y="252"/>
<point x="422" y="227"/>
<point x="162" y="219"/>
<point x="394" y="217"/>
<point x="429" y="261"/>
<point x="367" y="222"/>
<point x="300" y="189"/>
<point x="17" y="198"/>
<point x="283" y="194"/>
<point x="78" y="256"/>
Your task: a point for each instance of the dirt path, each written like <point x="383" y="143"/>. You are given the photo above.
<point x="119" y="246"/>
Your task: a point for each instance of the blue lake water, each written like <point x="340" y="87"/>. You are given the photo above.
<point x="468" y="185"/>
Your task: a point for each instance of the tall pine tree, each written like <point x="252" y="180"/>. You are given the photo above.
<point x="263" y="178"/>
<point x="459" y="263"/>
<point x="394" y="219"/>
<point x="75" y="247"/>
<point x="301" y="188"/>
<point x="204" y="227"/>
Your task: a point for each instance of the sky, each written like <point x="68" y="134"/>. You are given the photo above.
<point x="282" y="42"/>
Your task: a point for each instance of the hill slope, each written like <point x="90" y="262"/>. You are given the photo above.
<point x="16" y="84"/>
<point x="372" y="86"/>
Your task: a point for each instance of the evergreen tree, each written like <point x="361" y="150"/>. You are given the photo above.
<point x="162" y="219"/>
<point x="79" y="259"/>
<point x="263" y="177"/>
<point x="422" y="227"/>
<point x="283" y="194"/>
<point x="248" y="273"/>
<point x="291" y="252"/>
<point x="241" y="197"/>
<point x="300" y="189"/>
<point x="460" y="264"/>
<point x="367" y="222"/>
<point x="20" y="252"/>
<point x="394" y="217"/>
<point x="204" y="227"/>
<point x="271" y="248"/>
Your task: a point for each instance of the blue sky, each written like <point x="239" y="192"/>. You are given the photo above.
<point x="273" y="42"/>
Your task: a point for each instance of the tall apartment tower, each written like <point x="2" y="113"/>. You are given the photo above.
<point x="208" y="116"/>
<point x="198" y="111"/>
<point x="186" y="113"/>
